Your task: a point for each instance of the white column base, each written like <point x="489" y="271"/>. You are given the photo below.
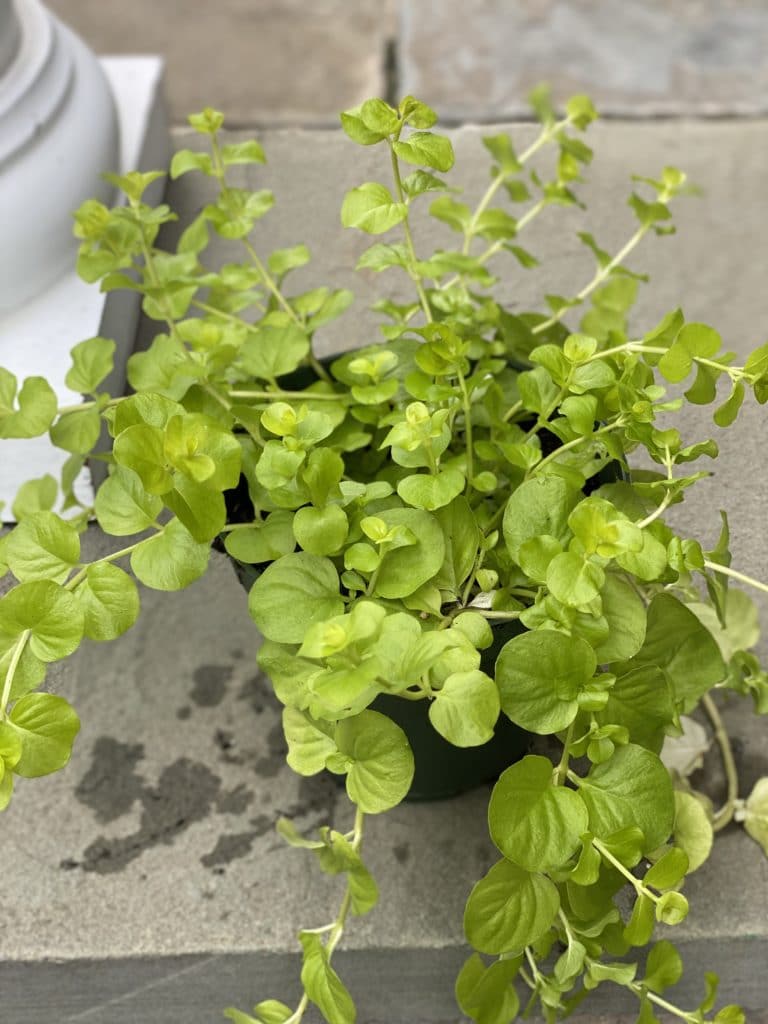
<point x="36" y="339"/>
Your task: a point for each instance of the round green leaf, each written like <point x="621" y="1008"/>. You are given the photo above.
<point x="49" y="612"/>
<point x="633" y="788"/>
<point x="509" y="909"/>
<point x="431" y="492"/>
<point x="465" y="710"/>
<point x="574" y="579"/>
<point x="122" y="505"/>
<point x="756" y="813"/>
<point x="293" y="593"/>
<point x="693" y="829"/>
<point x="92" y="361"/>
<point x="321" y="531"/>
<point x="43" y="546"/>
<point x="540" y="675"/>
<point x="677" y="642"/>
<point x="77" y="431"/>
<point x="262" y="542"/>
<point x="141" y="449"/>
<point x="426" y="149"/>
<point x="534" y="823"/>
<point x="405" y="569"/>
<point x="381" y="768"/>
<point x="109" y="599"/>
<point x="201" y="510"/>
<point x="641" y="701"/>
<point x="310" y="742"/>
<point x="37" y="495"/>
<point x="46" y="725"/>
<point x="625" y="612"/>
<point x="539" y="506"/>
<point x="170" y="560"/>
<point x="37" y="406"/>
<point x="371" y="208"/>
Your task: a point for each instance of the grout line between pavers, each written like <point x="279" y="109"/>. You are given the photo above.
<point x="85" y="1014"/>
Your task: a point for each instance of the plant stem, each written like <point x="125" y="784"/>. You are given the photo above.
<point x="467" y="429"/>
<point x="640" y="990"/>
<point x="727" y="571"/>
<point x="414" y="274"/>
<point x="724" y="816"/>
<point x="638" y="886"/>
<point x="574" y="444"/>
<point x="307" y="396"/>
<point x="503" y="616"/>
<point x="87" y="405"/>
<point x="13" y="665"/>
<point x="80" y="575"/>
<point x="561" y="771"/>
<point x="598" y="279"/>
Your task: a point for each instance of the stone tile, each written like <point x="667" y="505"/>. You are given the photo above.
<point x="479" y="58"/>
<point x="260" y="61"/>
<point x="149" y="868"/>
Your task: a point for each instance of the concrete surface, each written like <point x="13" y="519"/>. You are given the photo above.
<point x="260" y="61"/>
<point x="479" y="59"/>
<point x="159" y="890"/>
<point x="270" y="62"/>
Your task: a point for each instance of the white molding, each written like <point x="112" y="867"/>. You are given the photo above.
<point x="58" y="134"/>
<point x="37" y="338"/>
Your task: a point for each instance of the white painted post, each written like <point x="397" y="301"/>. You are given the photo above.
<point x="58" y="133"/>
<point x="9" y="33"/>
<point x="60" y="128"/>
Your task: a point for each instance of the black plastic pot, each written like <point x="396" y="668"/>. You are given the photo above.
<point x="443" y="770"/>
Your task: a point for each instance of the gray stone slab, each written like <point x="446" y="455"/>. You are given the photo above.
<point x="479" y="58"/>
<point x="146" y="883"/>
<point x="260" y="62"/>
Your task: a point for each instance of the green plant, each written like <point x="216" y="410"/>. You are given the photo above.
<point x="435" y="485"/>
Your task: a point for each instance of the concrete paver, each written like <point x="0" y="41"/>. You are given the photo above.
<point x="259" y="61"/>
<point x="478" y="59"/>
<point x="159" y="889"/>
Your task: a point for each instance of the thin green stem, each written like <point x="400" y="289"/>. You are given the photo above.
<point x="13" y="665"/>
<point x="724" y="816"/>
<point x="467" y="405"/>
<point x="596" y="280"/>
<point x="307" y="396"/>
<point x="740" y="576"/>
<point x="87" y="405"/>
<point x="668" y="498"/>
<point x="501" y="616"/>
<point x="663" y="1004"/>
<point x="606" y="854"/>
<point x="229" y="317"/>
<point x="214" y="393"/>
<point x="573" y="444"/>
<point x="301" y="1009"/>
<point x="413" y="272"/>
<point x="113" y="556"/>
<point x="561" y="772"/>
<point x="657" y="512"/>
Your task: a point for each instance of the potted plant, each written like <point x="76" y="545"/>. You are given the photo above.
<point x="442" y="522"/>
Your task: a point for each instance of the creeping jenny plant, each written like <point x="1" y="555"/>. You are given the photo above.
<point x="405" y="498"/>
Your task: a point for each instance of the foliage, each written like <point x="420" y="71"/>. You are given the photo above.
<point x="401" y="500"/>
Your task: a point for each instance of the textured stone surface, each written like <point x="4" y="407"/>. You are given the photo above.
<point x="260" y="61"/>
<point x="478" y="59"/>
<point x="146" y="882"/>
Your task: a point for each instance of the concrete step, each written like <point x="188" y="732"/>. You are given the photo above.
<point x="146" y="883"/>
